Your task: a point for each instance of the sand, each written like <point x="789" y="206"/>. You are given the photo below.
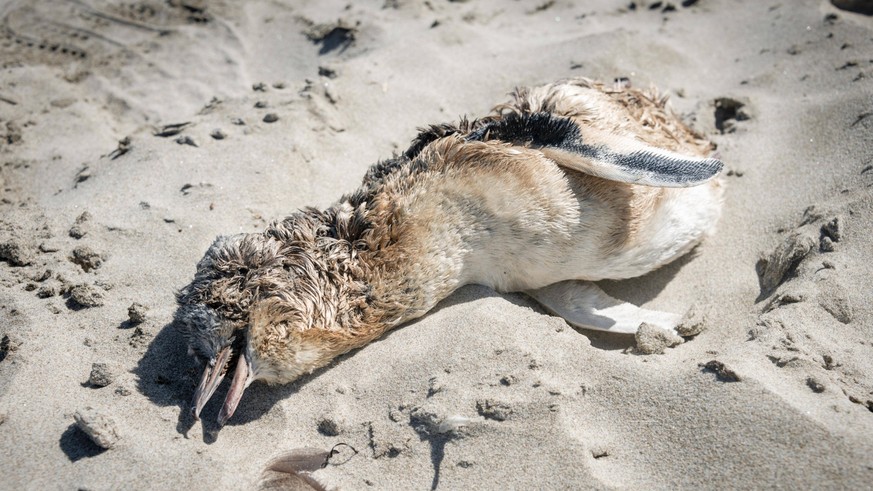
<point x="131" y="134"/>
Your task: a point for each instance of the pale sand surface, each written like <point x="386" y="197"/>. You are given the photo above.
<point x="579" y="409"/>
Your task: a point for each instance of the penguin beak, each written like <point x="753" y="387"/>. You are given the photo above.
<point x="213" y="374"/>
<point x="242" y="378"/>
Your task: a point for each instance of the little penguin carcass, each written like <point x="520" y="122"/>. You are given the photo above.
<point x="563" y="185"/>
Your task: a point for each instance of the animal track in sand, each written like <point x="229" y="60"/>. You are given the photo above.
<point x="93" y="30"/>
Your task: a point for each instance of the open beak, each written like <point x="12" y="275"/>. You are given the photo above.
<point x="242" y="378"/>
<point x="213" y="374"/>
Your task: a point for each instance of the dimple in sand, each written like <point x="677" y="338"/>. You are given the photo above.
<point x="565" y="184"/>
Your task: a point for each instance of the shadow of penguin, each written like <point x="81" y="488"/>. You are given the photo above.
<point x="166" y="375"/>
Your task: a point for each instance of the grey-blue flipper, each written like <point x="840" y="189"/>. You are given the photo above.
<point x="608" y="156"/>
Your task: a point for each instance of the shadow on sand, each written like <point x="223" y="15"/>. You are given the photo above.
<point x="77" y="446"/>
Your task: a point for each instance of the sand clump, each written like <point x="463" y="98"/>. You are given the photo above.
<point x="775" y="267"/>
<point x="86" y="296"/>
<point x="81" y="226"/>
<point x="137" y="313"/>
<point x="99" y="427"/>
<point x="86" y="258"/>
<point x="694" y="321"/>
<point x="16" y="253"/>
<point x="653" y="340"/>
<point x="494" y="410"/>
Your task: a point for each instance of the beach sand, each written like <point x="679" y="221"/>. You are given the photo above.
<point x="109" y="200"/>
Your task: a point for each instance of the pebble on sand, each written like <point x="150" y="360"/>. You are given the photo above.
<point x="271" y="118"/>
<point x="101" y="375"/>
<point x="99" y="427"/>
<point x="85" y="295"/>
